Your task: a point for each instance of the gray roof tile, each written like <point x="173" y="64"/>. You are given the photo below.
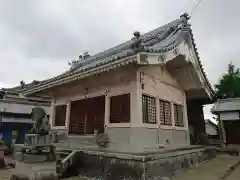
<point x="162" y="39"/>
<point x="229" y="104"/>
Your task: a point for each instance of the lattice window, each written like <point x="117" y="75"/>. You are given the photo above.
<point x="178" y="115"/>
<point x="60" y="115"/>
<point x="165" y="112"/>
<point x="149" y="109"/>
<point x="120" y="108"/>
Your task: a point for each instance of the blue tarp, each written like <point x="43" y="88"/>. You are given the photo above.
<point x="7" y="128"/>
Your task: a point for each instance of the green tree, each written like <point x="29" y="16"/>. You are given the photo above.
<point x="229" y="84"/>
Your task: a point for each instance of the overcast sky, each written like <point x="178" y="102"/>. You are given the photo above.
<point x="38" y="38"/>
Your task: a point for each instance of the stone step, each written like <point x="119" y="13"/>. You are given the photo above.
<point x="61" y="155"/>
<point x="76" y="142"/>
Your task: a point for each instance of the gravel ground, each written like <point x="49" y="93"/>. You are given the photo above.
<point x="210" y="170"/>
<point x="235" y="175"/>
<point x="30" y="168"/>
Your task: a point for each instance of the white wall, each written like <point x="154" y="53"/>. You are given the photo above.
<point x="226" y="116"/>
<point x="117" y="82"/>
<point x="14" y="107"/>
<point x="210" y="129"/>
<point x="159" y="83"/>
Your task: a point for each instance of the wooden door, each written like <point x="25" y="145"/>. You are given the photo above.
<point x="90" y="116"/>
<point x="99" y="108"/>
<point x="60" y="115"/>
<point x="87" y="115"/>
<point x="95" y="114"/>
<point x="78" y="117"/>
<point x="232" y="131"/>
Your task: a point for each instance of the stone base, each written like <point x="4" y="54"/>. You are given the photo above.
<point x="22" y="153"/>
<point x="141" y="166"/>
<point x="32" y="158"/>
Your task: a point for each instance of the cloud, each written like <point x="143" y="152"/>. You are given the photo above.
<point x="38" y="38"/>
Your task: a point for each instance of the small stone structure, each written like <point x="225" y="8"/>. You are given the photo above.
<point x="102" y="139"/>
<point x="36" y="149"/>
<point x="38" y="145"/>
<point x="36" y="176"/>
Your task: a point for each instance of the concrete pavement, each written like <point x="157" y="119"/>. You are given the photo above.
<point x="235" y="175"/>
<point x="211" y="170"/>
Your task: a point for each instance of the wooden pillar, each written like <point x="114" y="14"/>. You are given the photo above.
<point x="185" y="116"/>
<point x="173" y="122"/>
<point x="52" y="113"/>
<point x="138" y="99"/>
<point x="107" y="110"/>
<point x="68" y="113"/>
<point x="195" y="120"/>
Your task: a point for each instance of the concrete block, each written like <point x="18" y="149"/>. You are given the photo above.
<point x="18" y="156"/>
<point x="19" y="177"/>
<point x="30" y="158"/>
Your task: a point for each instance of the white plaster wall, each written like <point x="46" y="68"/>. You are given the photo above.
<point x="119" y="135"/>
<point x="181" y="137"/>
<point x="159" y="83"/>
<point x="117" y="82"/>
<point x="226" y="116"/>
<point x="20" y="107"/>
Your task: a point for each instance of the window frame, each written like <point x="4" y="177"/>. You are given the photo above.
<point x="109" y="113"/>
<point x="156" y="119"/>
<point x="171" y="112"/>
<point x="55" y="115"/>
<point x="174" y="115"/>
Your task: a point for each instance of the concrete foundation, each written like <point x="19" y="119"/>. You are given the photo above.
<point x="20" y="154"/>
<point x="32" y="158"/>
<point x="140" y="166"/>
<point x="150" y="137"/>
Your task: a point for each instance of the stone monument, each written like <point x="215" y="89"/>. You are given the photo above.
<point x="38" y="145"/>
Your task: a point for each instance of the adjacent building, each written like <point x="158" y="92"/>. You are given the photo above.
<point x="228" y="112"/>
<point x="15" y="112"/>
<point x="144" y="92"/>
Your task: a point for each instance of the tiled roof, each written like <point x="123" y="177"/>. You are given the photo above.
<point x="19" y="88"/>
<point x="229" y="104"/>
<point x="16" y="91"/>
<point x="163" y="39"/>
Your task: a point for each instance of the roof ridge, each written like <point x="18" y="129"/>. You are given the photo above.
<point x="125" y="45"/>
<point x="147" y="42"/>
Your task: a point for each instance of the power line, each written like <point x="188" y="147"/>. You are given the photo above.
<point x="196" y="6"/>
